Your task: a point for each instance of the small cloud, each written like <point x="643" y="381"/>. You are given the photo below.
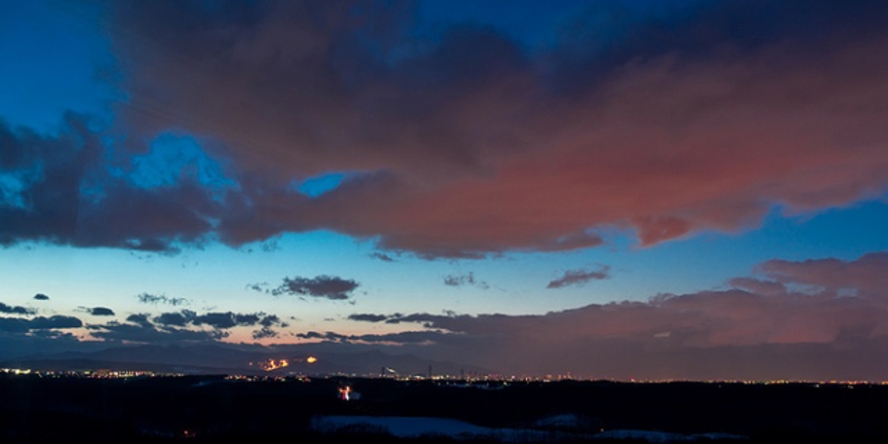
<point x="100" y="311"/>
<point x="454" y="280"/>
<point x="328" y="287"/>
<point x="580" y="277"/>
<point x="264" y="332"/>
<point x="367" y="317"/>
<point x="16" y="309"/>
<point x="147" y="298"/>
<point x="139" y="319"/>
<point x="260" y="287"/>
<point x="382" y="256"/>
<point x="41" y="297"/>
<point x="270" y="320"/>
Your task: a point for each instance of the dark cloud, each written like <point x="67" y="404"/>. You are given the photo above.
<point x="397" y="318"/>
<point x="264" y="333"/>
<point x="64" y="194"/>
<point x="147" y="298"/>
<point x="580" y="277"/>
<point x="269" y="320"/>
<point x="41" y="297"/>
<point x="140" y="319"/>
<point x="328" y="287"/>
<point x="407" y="337"/>
<point x="807" y="319"/>
<point x="465" y="143"/>
<point x="99" y="311"/>
<point x="8" y="309"/>
<point x="179" y="319"/>
<point x="260" y="287"/>
<point x="147" y="334"/>
<point x="457" y="280"/>
<point x="19" y="325"/>
<point x="215" y="320"/>
<point x="382" y="256"/>
<point x="367" y="317"/>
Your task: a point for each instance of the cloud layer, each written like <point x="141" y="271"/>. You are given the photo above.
<point x="792" y="318"/>
<point x="464" y="142"/>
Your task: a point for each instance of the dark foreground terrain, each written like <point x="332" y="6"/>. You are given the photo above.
<point x="37" y="408"/>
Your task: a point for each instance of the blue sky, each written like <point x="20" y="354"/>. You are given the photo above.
<point x="450" y="161"/>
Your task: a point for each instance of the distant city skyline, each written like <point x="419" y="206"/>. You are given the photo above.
<point x="627" y="188"/>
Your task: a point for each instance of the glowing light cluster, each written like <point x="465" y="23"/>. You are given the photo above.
<point x="272" y="364"/>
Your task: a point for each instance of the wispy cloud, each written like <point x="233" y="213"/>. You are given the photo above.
<point x="580" y="277"/>
<point x="153" y="299"/>
<point x="458" y="280"/>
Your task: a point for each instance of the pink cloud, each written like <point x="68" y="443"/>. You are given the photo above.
<point x="779" y="332"/>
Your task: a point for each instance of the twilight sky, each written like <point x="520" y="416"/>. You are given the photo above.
<point x="687" y="189"/>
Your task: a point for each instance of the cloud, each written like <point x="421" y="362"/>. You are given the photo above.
<point x="146" y="334"/>
<point x="215" y="320"/>
<point x="821" y="318"/>
<point x="100" y="311"/>
<point x="64" y="193"/>
<point x="455" y="280"/>
<point x="428" y="337"/>
<point x="19" y="325"/>
<point x="382" y="256"/>
<point x="464" y="143"/>
<point x="367" y="317"/>
<point x="139" y="319"/>
<point x="470" y="145"/>
<point x="147" y="298"/>
<point x="327" y="287"/>
<point x="264" y="333"/>
<point x="179" y="319"/>
<point x="8" y="309"/>
<point x="41" y="297"/>
<point x="580" y="277"/>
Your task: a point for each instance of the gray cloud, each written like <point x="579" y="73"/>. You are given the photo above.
<point x="817" y="319"/>
<point x="327" y="287"/>
<point x="264" y="333"/>
<point x="368" y="317"/>
<point x="427" y="337"/>
<point x="580" y="277"/>
<point x="146" y="333"/>
<point x="457" y="280"/>
<point x="215" y="320"/>
<point x="41" y="297"/>
<point x="100" y="311"/>
<point x="444" y="135"/>
<point x="147" y="298"/>
<point x="140" y="319"/>
<point x="68" y="197"/>
<point x="179" y="319"/>
<point x="8" y="309"/>
<point x="382" y="256"/>
<point x="19" y="325"/>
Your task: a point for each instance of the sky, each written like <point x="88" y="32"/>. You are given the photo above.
<point x="615" y="189"/>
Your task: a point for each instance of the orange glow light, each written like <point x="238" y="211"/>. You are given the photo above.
<point x="272" y="364"/>
<point x="311" y="359"/>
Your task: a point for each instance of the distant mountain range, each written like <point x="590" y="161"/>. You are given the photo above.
<point x="246" y="360"/>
